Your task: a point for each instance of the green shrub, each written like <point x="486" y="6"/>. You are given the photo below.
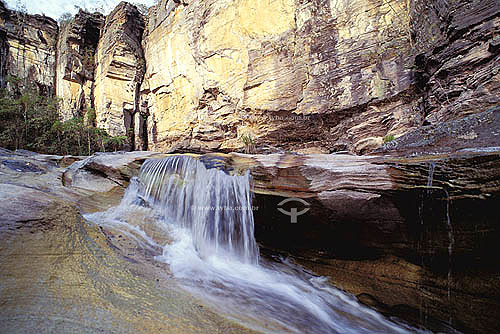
<point x="388" y="138"/>
<point x="249" y="143"/>
<point x="31" y="121"/>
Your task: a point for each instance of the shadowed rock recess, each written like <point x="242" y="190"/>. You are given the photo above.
<point x="382" y="117"/>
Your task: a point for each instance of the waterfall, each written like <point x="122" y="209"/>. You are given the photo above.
<point x="449" y="227"/>
<point x="214" y="206"/>
<point x="211" y="251"/>
<point x="430" y="176"/>
<point x="451" y="242"/>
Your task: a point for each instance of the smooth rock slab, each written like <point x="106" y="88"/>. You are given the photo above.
<point x="60" y="274"/>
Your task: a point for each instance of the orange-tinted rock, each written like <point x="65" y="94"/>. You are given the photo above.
<point x="76" y="45"/>
<point x="119" y="71"/>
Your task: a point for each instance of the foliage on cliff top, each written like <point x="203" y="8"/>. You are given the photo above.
<point x="30" y="121"/>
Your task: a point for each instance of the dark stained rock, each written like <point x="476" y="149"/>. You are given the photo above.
<point x="459" y="73"/>
<point x="474" y="131"/>
<point x="76" y="46"/>
<point x="21" y="166"/>
<point x="28" y="49"/>
<point x="419" y="232"/>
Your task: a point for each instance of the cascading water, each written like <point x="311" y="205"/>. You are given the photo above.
<point x="430" y="177"/>
<point x="213" y="253"/>
<point x="215" y="207"/>
<point x="449" y="226"/>
<point x="451" y="242"/>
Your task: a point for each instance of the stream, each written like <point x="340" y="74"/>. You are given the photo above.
<point x="206" y="216"/>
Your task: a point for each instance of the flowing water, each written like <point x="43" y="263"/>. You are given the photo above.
<point x="430" y="177"/>
<point x="212" y="252"/>
<point x="451" y="242"/>
<point x="449" y="227"/>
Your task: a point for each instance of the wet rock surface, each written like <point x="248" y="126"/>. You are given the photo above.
<point x="62" y="274"/>
<point x="417" y="234"/>
<point x="411" y="230"/>
<point x="414" y="236"/>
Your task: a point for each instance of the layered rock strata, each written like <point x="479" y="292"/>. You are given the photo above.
<point x="317" y="76"/>
<point x="28" y="49"/>
<point x="459" y="75"/>
<point x="77" y="45"/>
<point x="331" y="73"/>
<point x="119" y="72"/>
<point x="398" y="232"/>
<point x="411" y="236"/>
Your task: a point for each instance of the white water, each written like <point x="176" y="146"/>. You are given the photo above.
<point x="214" y="255"/>
<point x="449" y="226"/>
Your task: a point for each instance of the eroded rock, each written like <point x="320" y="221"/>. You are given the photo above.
<point x="413" y="232"/>
<point x="459" y="75"/>
<point x="66" y="275"/>
<point x="76" y="45"/>
<point x="274" y="73"/>
<point x="119" y="73"/>
<point x="28" y="49"/>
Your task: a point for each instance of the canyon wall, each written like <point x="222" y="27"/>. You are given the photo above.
<point x="119" y="72"/>
<point x="28" y="48"/>
<point x="459" y="75"/>
<point x="292" y="74"/>
<point x="220" y="75"/>
<point x="76" y="47"/>
<point x="311" y="76"/>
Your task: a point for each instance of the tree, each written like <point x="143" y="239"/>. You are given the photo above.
<point x="64" y="19"/>
<point x="31" y="121"/>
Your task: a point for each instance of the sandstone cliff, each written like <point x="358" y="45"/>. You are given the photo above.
<point x="285" y="73"/>
<point x="314" y="76"/>
<point x="310" y="76"/>
<point x="76" y="47"/>
<point x="28" y="48"/>
<point x="119" y="72"/>
<point x="331" y="75"/>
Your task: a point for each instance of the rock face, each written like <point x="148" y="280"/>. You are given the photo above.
<point x="459" y="76"/>
<point x="76" y="45"/>
<point x="331" y="75"/>
<point x="28" y="49"/>
<point x="310" y="76"/>
<point x="396" y="231"/>
<point x="474" y="131"/>
<point x="119" y="72"/>
<point x="276" y="72"/>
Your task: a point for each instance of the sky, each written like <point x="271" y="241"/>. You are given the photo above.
<point x="54" y="8"/>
